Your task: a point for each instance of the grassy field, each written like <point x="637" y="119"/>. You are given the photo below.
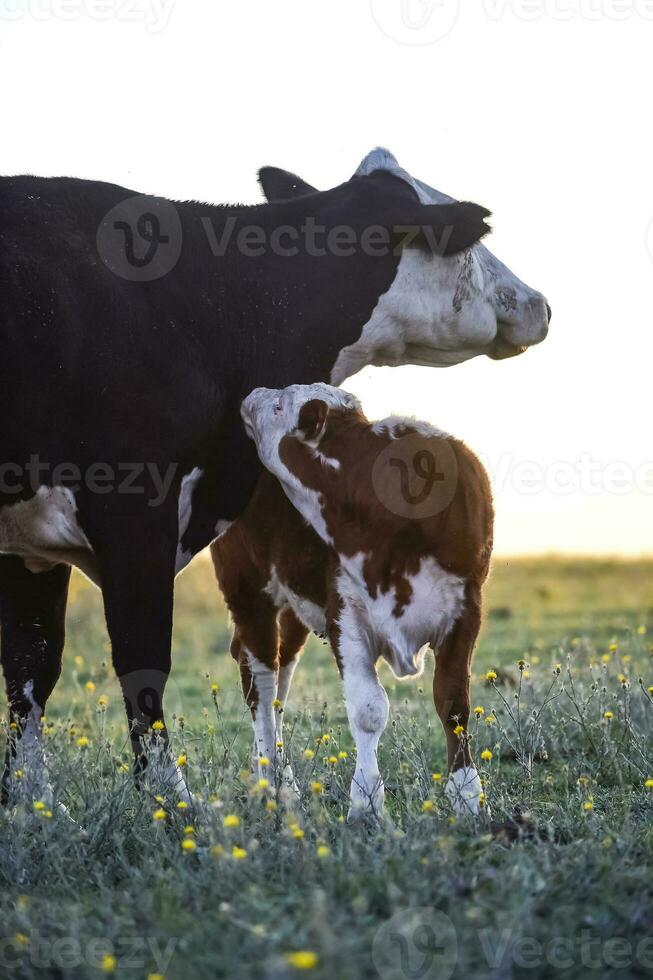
<point x="283" y="892"/>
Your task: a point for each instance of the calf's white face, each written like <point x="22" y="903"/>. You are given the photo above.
<point x="442" y="310"/>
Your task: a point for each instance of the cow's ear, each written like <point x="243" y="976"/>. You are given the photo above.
<point x="444" y="229"/>
<point x="312" y="420"/>
<point x="281" y="185"/>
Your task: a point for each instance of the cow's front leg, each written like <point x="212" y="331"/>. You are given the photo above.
<point x="292" y="637"/>
<point x="32" y="614"/>
<point x="367" y="711"/>
<point x="451" y="693"/>
<point x="136" y="559"/>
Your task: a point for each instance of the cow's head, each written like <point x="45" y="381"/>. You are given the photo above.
<point x="440" y="309"/>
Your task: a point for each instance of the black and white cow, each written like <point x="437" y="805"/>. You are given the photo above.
<point x="131" y="329"/>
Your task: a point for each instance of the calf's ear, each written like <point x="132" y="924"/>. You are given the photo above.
<point x="444" y="229"/>
<point x="281" y="185"/>
<point x="312" y="420"/>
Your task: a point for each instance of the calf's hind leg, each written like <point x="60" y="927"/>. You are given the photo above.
<point x="32" y="617"/>
<point x="451" y="693"/>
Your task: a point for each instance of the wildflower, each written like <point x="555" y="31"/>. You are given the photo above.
<point x="623" y="680"/>
<point x="21" y="939"/>
<point x="428" y="806"/>
<point x="309" y="754"/>
<point x="490" y="720"/>
<point x="436" y="776"/>
<point x="322" y="851"/>
<point x="83" y="742"/>
<point x="605" y="657"/>
<point x="333" y="760"/>
<point x="18" y="774"/>
<point x="486" y="755"/>
<point x="182" y="805"/>
<point x="231" y="820"/>
<point x="90" y="686"/>
<point x="39" y="805"/>
<point x="182" y="760"/>
<point x="317" y="788"/>
<point x="648" y="783"/>
<point x="583" y="780"/>
<point x="588" y="805"/>
<point x="109" y="963"/>
<point x="102" y="701"/>
<point x="155" y="976"/>
<point x="478" y="711"/>
<point x="481" y="799"/>
<point x="302" y="959"/>
<point x="159" y="814"/>
<point x="557" y="668"/>
<point x="217" y="850"/>
<point x="189" y="829"/>
<point x="160" y="799"/>
<point x="343" y="755"/>
<point x="521" y="664"/>
<point x="276" y="704"/>
<point x="238" y="853"/>
<point x="297" y="832"/>
<point x="157" y="726"/>
<point x="215" y="688"/>
<point x="526" y="674"/>
<point x="271" y="806"/>
<point x="263" y="761"/>
<point x="279" y="745"/>
<point x="641" y="630"/>
<point x="650" y="690"/>
<point x="459" y="730"/>
<point x="79" y="661"/>
<point x="263" y="784"/>
<point x="608" y="715"/>
<point x="613" y="647"/>
<point x="123" y="767"/>
<point x="491" y="675"/>
<point x="188" y="845"/>
<point x="325" y="738"/>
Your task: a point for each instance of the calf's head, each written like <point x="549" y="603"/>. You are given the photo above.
<point x="441" y="309"/>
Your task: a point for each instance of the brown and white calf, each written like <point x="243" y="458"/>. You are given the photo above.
<point x="378" y="535"/>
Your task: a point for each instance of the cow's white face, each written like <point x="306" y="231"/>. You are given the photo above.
<point x="444" y="310"/>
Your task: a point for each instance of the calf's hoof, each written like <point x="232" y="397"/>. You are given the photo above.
<point x="464" y="791"/>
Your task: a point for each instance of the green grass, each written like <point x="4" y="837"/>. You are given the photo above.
<point x="573" y="897"/>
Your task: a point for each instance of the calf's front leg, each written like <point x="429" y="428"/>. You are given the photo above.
<point x="451" y="693"/>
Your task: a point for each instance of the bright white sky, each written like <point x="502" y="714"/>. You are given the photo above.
<point x="539" y="109"/>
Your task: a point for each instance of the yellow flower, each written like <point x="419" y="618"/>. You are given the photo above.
<point x="478" y="711"/>
<point x="343" y="755"/>
<point x="613" y="647"/>
<point x="428" y="806"/>
<point x="182" y="805"/>
<point x="188" y="844"/>
<point x="217" y="850"/>
<point x="231" y="820"/>
<point x="322" y="851"/>
<point x="263" y="784"/>
<point x="641" y="630"/>
<point x="157" y="726"/>
<point x="189" y="829"/>
<point x="83" y="742"/>
<point x="276" y="704"/>
<point x="526" y="674"/>
<point x="491" y="675"/>
<point x="486" y="755"/>
<point x="481" y="799"/>
<point x="109" y="963"/>
<point x="608" y="715"/>
<point x="317" y="788"/>
<point x="264" y="761"/>
<point x="622" y="679"/>
<point x="123" y="767"/>
<point x="238" y="853"/>
<point x="79" y="661"/>
<point x="18" y="774"/>
<point x="271" y="806"/>
<point x="490" y="720"/>
<point x="182" y="760"/>
<point x="650" y="690"/>
<point x="606" y="658"/>
<point x="309" y="754"/>
<point x="215" y="688"/>
<point x="459" y="730"/>
<point x="648" y="783"/>
<point x="155" y="976"/>
<point x="160" y="799"/>
<point x="39" y="805"/>
<point x="302" y="959"/>
<point x="90" y="686"/>
<point x="297" y="832"/>
<point x="159" y="815"/>
<point x="102" y="701"/>
<point x="588" y="805"/>
<point x="583" y="780"/>
<point x="280" y="745"/>
<point x="325" y="738"/>
<point x="333" y="760"/>
<point x="557" y="668"/>
<point x="21" y="939"/>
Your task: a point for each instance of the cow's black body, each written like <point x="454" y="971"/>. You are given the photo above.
<point x="95" y="368"/>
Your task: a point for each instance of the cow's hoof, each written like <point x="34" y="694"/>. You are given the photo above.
<point x="464" y="791"/>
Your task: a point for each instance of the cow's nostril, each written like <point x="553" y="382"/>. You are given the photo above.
<point x="548" y="313"/>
